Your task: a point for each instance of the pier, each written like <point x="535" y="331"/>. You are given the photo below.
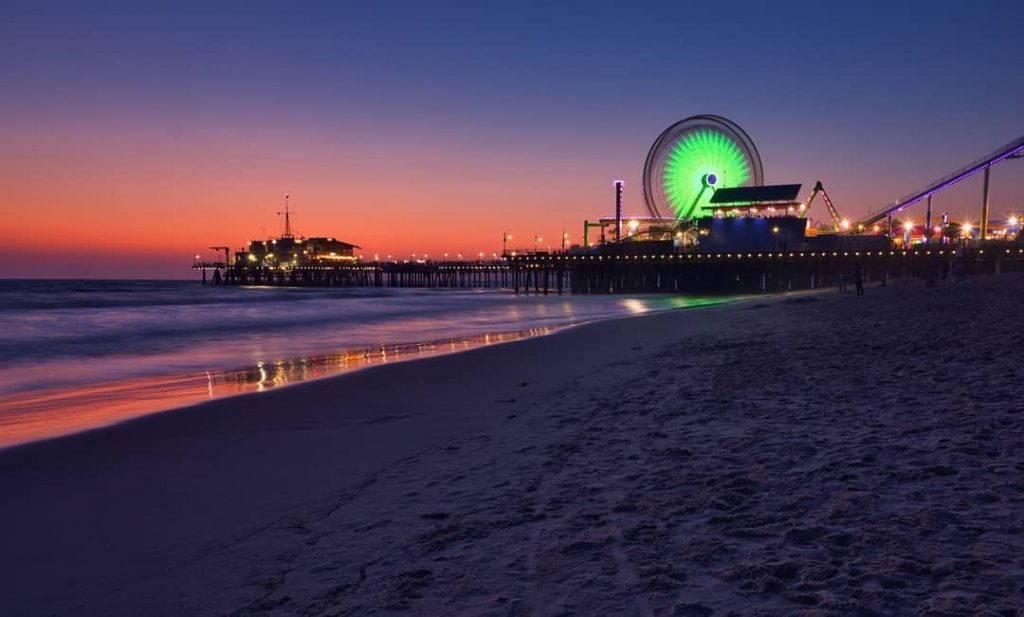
<point x="493" y="274"/>
<point x="705" y="273"/>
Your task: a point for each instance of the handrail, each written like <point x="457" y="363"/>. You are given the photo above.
<point x="1010" y="149"/>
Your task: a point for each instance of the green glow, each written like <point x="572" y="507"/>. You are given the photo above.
<point x="699" y="153"/>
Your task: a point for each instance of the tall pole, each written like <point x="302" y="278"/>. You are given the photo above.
<point x="504" y="243"/>
<point x="928" y="231"/>
<point x="618" y="210"/>
<point x="984" y="205"/>
<point x="287" y="218"/>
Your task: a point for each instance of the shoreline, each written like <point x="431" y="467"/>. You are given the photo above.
<point x="90" y="406"/>
<point x="768" y="454"/>
<point x="182" y="390"/>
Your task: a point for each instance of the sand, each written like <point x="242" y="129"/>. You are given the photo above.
<point x="816" y="454"/>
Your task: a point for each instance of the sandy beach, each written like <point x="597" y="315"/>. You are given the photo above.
<point x="806" y="455"/>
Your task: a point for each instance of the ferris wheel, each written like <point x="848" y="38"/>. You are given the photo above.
<point x="693" y="158"/>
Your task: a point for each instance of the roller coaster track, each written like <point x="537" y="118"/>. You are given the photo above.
<point x="1013" y="149"/>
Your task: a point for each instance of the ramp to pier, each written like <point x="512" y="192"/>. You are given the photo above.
<point x="1010" y="150"/>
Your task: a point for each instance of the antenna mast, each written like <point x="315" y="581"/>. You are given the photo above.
<point x="287" y="219"/>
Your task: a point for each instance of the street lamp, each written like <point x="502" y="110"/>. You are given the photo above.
<point x="565" y="239"/>
<point x="505" y="237"/>
<point x="536" y="240"/>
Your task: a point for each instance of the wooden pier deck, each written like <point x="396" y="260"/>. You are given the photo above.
<point x="705" y="273"/>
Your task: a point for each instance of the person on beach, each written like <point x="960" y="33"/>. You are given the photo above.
<point x="841" y="282"/>
<point x="858" y="278"/>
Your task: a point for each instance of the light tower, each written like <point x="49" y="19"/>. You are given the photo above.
<point x="618" y="209"/>
<point x="287" y="219"/>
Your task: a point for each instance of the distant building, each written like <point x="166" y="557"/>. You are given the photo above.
<point x="296" y="252"/>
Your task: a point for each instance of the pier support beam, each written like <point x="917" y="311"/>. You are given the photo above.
<point x="984" y="205"/>
<point x="928" y="231"/>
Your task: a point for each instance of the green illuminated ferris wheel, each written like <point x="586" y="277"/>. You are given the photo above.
<point x="693" y="158"/>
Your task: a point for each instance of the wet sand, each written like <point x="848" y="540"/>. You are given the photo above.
<point x="817" y="454"/>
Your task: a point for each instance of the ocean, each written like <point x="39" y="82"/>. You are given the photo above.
<point x="76" y="355"/>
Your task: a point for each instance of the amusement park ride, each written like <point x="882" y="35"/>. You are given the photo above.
<point x="703" y="187"/>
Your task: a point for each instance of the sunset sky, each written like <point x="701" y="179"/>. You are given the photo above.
<point x="133" y="136"/>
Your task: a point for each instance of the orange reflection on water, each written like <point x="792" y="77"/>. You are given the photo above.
<point x="40" y="415"/>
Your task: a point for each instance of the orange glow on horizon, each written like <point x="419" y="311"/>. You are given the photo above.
<point x="170" y="201"/>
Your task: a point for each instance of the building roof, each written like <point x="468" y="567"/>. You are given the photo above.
<point x="334" y="241"/>
<point x="748" y="194"/>
<point x="313" y="240"/>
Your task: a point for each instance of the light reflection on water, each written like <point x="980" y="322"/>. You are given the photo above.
<point x="39" y="415"/>
<point x="76" y="355"/>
